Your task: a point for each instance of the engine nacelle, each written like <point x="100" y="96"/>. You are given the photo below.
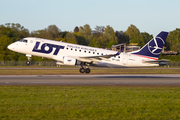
<point x="70" y="61"/>
<point x="65" y="60"/>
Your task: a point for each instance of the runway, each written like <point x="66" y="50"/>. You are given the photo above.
<point x="123" y="79"/>
<point x="57" y="68"/>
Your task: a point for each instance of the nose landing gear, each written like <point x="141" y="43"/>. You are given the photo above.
<point x="29" y="58"/>
<point x="28" y="62"/>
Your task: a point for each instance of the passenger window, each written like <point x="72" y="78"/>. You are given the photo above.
<point x="101" y="53"/>
<point x="89" y="52"/>
<point x="93" y="52"/>
<point x="79" y="50"/>
<point x="67" y="48"/>
<point x="85" y="51"/>
<point x="75" y="49"/>
<point x="118" y="56"/>
<point x="98" y="53"/>
<point x="71" y="49"/>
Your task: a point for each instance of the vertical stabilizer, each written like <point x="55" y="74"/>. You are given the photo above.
<point x="154" y="47"/>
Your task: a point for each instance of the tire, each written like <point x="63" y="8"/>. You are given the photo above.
<point x="87" y="70"/>
<point x="81" y="70"/>
<point x="28" y="62"/>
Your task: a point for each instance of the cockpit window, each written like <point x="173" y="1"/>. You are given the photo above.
<point x="23" y="40"/>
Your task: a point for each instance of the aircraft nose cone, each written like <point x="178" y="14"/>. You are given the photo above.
<point x="10" y="47"/>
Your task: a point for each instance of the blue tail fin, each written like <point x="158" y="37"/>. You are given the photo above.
<point x="154" y="47"/>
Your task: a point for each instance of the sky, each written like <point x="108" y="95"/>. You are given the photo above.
<point x="151" y="16"/>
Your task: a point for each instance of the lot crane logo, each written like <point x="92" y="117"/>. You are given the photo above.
<point x="155" y="45"/>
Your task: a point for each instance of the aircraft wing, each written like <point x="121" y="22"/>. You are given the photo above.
<point x="96" y="59"/>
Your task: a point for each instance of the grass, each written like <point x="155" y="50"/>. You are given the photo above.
<point x="33" y="66"/>
<point x="90" y="102"/>
<point x="93" y="71"/>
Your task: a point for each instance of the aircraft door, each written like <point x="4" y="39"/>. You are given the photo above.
<point x="125" y="59"/>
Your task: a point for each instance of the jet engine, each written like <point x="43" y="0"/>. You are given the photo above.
<point x="69" y="61"/>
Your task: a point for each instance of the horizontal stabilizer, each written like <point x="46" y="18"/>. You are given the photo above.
<point x="160" y="62"/>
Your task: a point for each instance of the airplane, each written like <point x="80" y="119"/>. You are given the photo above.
<point x="85" y="56"/>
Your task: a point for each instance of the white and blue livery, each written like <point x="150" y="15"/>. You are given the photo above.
<point x="73" y="54"/>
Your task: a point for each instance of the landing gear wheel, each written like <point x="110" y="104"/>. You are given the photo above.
<point x="87" y="70"/>
<point x="28" y="62"/>
<point x="81" y="70"/>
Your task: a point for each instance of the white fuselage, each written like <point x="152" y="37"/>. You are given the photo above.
<point x="58" y="50"/>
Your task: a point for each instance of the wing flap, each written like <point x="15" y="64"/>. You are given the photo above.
<point x="95" y="59"/>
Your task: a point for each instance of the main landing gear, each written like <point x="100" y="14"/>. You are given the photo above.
<point x="86" y="70"/>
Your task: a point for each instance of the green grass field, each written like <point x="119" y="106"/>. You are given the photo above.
<point x="43" y="71"/>
<point x="89" y="102"/>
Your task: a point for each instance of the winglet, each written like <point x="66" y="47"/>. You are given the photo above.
<point x="119" y="52"/>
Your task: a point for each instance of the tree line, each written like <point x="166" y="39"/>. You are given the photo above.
<point x="100" y="36"/>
